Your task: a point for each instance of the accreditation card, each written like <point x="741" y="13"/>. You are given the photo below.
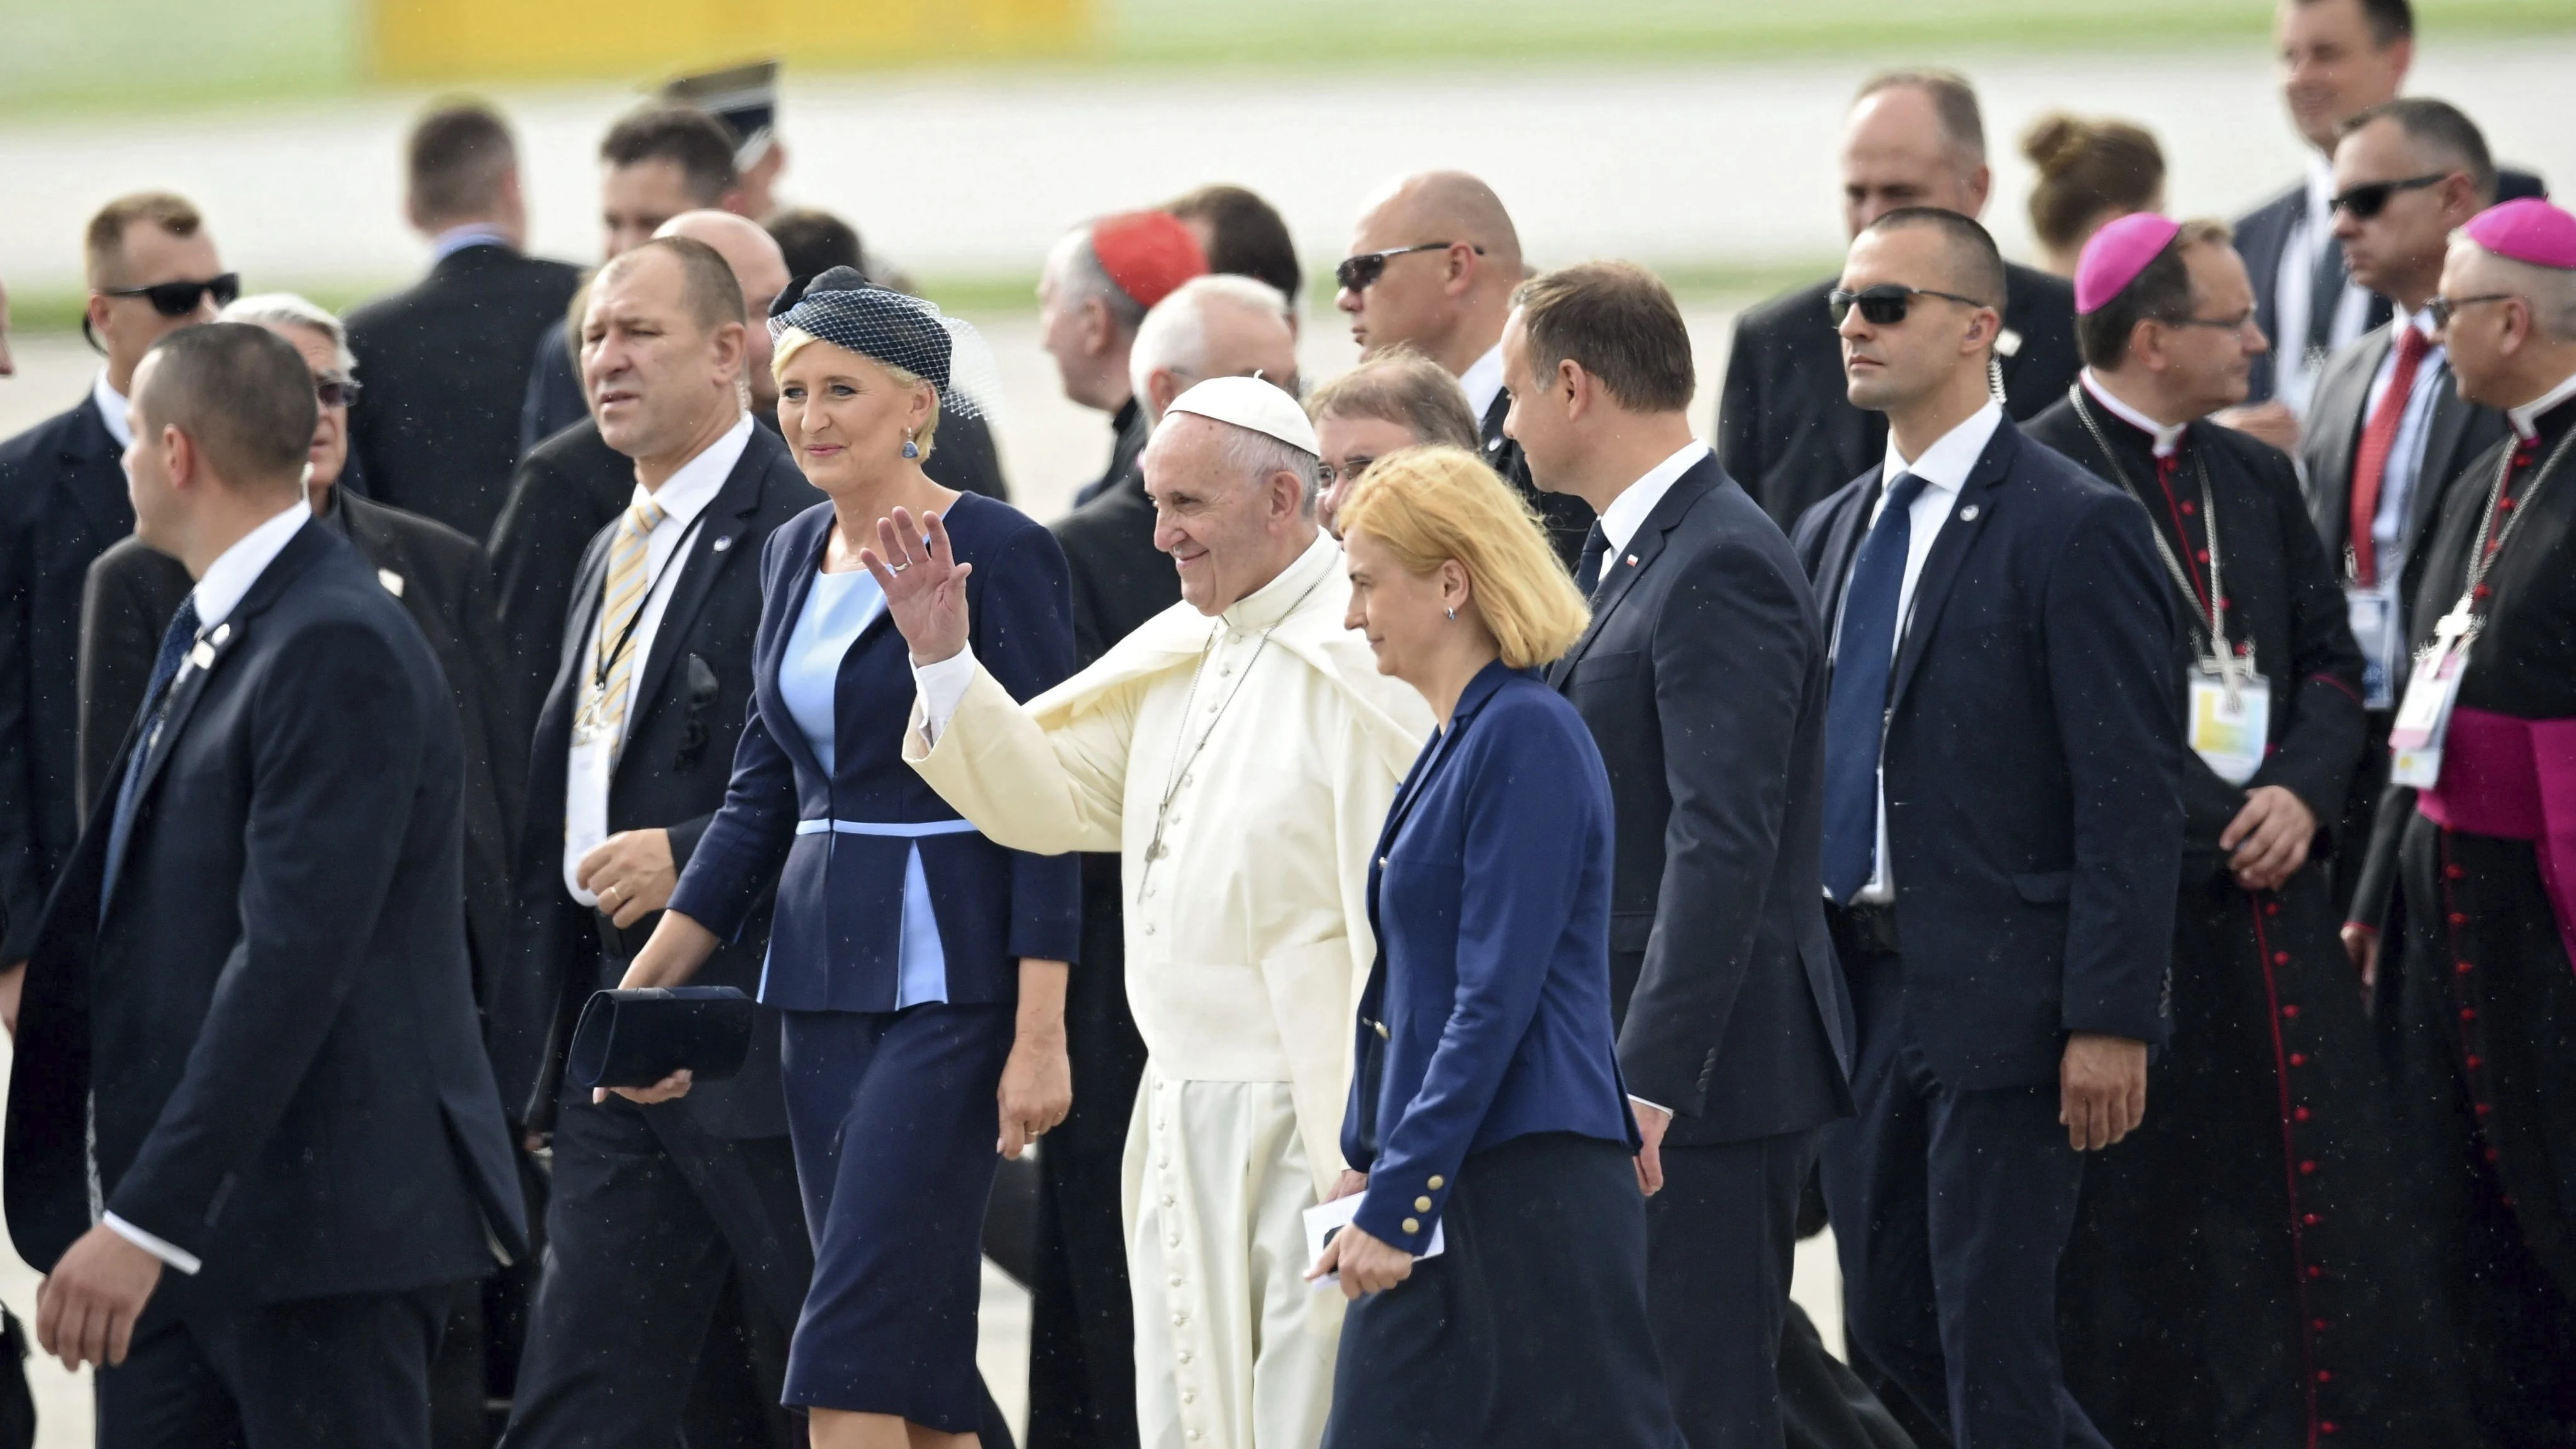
<point x="2423" y="721"/>
<point x="2230" y="720"/>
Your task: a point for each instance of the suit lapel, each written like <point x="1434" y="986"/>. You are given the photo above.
<point x="2441" y="463"/>
<point x="2339" y="412"/>
<point x="95" y="478"/>
<point x="710" y="553"/>
<point x="1949" y="551"/>
<point x="1842" y="540"/>
<point x="1620" y="571"/>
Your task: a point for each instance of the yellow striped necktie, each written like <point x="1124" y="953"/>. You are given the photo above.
<point x="628" y="582"/>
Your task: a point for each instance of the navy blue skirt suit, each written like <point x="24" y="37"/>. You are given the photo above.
<point x="893" y="953"/>
<point x="1487" y="1108"/>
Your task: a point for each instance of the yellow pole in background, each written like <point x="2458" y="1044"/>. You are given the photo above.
<point x="445" y="41"/>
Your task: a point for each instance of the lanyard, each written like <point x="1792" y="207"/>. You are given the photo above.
<point x="604" y="660"/>
<point x="2481" y="558"/>
<point x="2215" y="623"/>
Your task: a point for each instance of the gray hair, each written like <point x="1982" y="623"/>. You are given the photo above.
<point x="1079" y="278"/>
<point x="286" y="309"/>
<point x="1257" y="457"/>
<point x="2550" y="292"/>
<point x="1173" y="337"/>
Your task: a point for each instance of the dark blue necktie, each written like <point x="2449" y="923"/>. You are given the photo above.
<point x="1856" y="717"/>
<point x="1587" y="569"/>
<point x="175" y="642"/>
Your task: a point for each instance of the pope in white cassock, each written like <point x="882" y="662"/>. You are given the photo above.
<point x="1239" y="751"/>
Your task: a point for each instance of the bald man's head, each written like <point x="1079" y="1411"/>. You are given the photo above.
<point x="759" y="268"/>
<point x="1447" y="289"/>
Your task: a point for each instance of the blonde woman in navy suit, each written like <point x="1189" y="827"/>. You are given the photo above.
<point x="919" y="967"/>
<point x="1486" y="1104"/>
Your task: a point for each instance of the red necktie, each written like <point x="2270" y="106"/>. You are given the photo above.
<point x="2378" y="439"/>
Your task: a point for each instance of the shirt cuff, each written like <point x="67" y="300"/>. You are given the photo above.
<point x="943" y="688"/>
<point x="1642" y="1102"/>
<point x="170" y="1253"/>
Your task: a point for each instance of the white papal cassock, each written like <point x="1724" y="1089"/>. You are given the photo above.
<point x="1267" y="747"/>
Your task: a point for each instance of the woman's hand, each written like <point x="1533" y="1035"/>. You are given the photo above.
<point x="925" y="587"/>
<point x="1352" y="1182"/>
<point x="1037" y="1082"/>
<point x="679" y="946"/>
<point x="1366" y="1264"/>
<point x="670" y="1089"/>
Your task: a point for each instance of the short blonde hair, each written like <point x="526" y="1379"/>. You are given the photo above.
<point x="1431" y="505"/>
<point x="796" y="339"/>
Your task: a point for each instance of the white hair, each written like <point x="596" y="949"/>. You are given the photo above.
<point x="2550" y="292"/>
<point x="1075" y="267"/>
<point x="1257" y="457"/>
<point x="1173" y="337"/>
<point x="286" y="309"/>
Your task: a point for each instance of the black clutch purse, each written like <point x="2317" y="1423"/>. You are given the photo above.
<point x="636" y="1038"/>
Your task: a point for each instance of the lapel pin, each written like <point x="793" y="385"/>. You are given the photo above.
<point x="722" y="543"/>
<point x="1968" y="514"/>
<point x="203" y="656"/>
<point x="1632" y="560"/>
<point x="223" y="631"/>
<point x="392" y="581"/>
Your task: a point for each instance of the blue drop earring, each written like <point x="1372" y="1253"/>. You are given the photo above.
<point x="911" y="449"/>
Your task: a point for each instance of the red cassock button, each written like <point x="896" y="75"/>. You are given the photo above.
<point x="2280" y="958"/>
<point x="2312" y="1220"/>
<point x="2316" y="1272"/>
<point x="2476" y="1062"/>
<point x="2463" y="967"/>
<point x="2318" y="1324"/>
<point x="2491" y="1154"/>
<point x="2308" y="1166"/>
<point x="2291" y="1012"/>
<point x="2452" y="872"/>
<point x="2301" y="1114"/>
<point x="2326" y="1427"/>
<point x="2459" y="918"/>
<point x="2325" y="1376"/>
<point x="2298" y="1059"/>
<point x="2468" y="1013"/>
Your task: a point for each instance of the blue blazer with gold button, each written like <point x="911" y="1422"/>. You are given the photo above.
<point x="1487" y="1015"/>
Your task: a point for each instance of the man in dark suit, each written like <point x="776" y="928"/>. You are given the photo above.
<point x="1431" y="268"/>
<point x="152" y="269"/>
<point x="1702" y="677"/>
<point x="447" y="358"/>
<point x="2339" y="58"/>
<point x="2002" y="840"/>
<point x="250" y="1032"/>
<point x="2387" y="431"/>
<point x="651" y="1206"/>
<point x="654" y="164"/>
<point x="1098" y="283"/>
<point x="1785" y="429"/>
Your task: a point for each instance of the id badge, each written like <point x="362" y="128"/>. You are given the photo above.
<point x="2231" y="721"/>
<point x="2424" y="719"/>
<point x="594" y="758"/>
<point x="2376" y="628"/>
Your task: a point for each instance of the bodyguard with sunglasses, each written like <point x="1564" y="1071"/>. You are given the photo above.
<point x="2002" y="831"/>
<point x="152" y="269"/>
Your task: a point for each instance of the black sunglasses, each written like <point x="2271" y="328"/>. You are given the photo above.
<point x="2365" y="202"/>
<point x="334" y="391"/>
<point x="1885" y="304"/>
<point x="2443" y="309"/>
<point x="178" y="299"/>
<point x="1359" y="273"/>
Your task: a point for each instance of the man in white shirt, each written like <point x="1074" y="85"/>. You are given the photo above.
<point x="1432" y="267"/>
<point x="653" y="1207"/>
<point x="1239" y="752"/>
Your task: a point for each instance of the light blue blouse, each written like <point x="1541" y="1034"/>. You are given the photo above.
<point x="838" y="608"/>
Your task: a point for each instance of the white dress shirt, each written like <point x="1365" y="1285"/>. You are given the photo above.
<point x="1483" y="382"/>
<point x="472" y="234"/>
<point x="111" y="406"/>
<point x="2167" y="436"/>
<point x="2295" y="283"/>
<point x="683" y="496"/>
<point x="2405" y="467"/>
<point x="2526" y="418"/>
<point x="226" y="583"/>
<point x="1627" y="512"/>
<point x="1944" y="469"/>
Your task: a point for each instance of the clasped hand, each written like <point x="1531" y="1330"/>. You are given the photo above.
<point x="1367" y="1264"/>
<point x="2269" y="838"/>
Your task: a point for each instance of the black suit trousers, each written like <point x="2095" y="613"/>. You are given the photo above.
<point x="1721" y="1239"/>
<point x="1950" y="1210"/>
<point x="324" y="1372"/>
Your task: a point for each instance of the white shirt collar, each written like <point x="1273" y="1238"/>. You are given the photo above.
<point x="111" y="407"/>
<point x="1483" y="382"/>
<point x="234" y="570"/>
<point x="2526" y="418"/>
<point x="2321" y="194"/>
<point x="2168" y="436"/>
<point x="1627" y="512"/>
<point x="472" y="234"/>
<point x="687" y="492"/>
<point x="1946" y="464"/>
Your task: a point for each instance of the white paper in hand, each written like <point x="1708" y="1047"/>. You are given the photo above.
<point x="1327" y="1218"/>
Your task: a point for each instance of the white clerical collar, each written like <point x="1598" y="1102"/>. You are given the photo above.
<point x="688" y="491"/>
<point x="1946" y="464"/>
<point x="2168" y="436"/>
<point x="472" y="234"/>
<point x="234" y="570"/>
<point x="2526" y="418"/>
<point x="111" y="408"/>
<point x="1483" y="382"/>
<point x="1627" y="512"/>
<point x="1277" y="599"/>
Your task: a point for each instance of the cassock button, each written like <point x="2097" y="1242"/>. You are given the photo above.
<point x="1422" y="1204"/>
<point x="1438" y="1183"/>
<point x="1412" y="1226"/>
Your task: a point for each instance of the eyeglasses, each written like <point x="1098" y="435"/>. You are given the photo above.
<point x="2444" y="309"/>
<point x="1359" y="273"/>
<point x="178" y="299"/>
<point x="1885" y="305"/>
<point x="1349" y="472"/>
<point x="2365" y="202"/>
<point x="2237" y="323"/>
<point x="334" y="391"/>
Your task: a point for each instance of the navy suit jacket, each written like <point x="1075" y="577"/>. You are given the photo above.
<point x="1702" y="678"/>
<point x="671" y="773"/>
<point x="835" y="939"/>
<point x="270" y="1024"/>
<point x="62" y="502"/>
<point x="2032" y="765"/>
<point x="1487" y="1015"/>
